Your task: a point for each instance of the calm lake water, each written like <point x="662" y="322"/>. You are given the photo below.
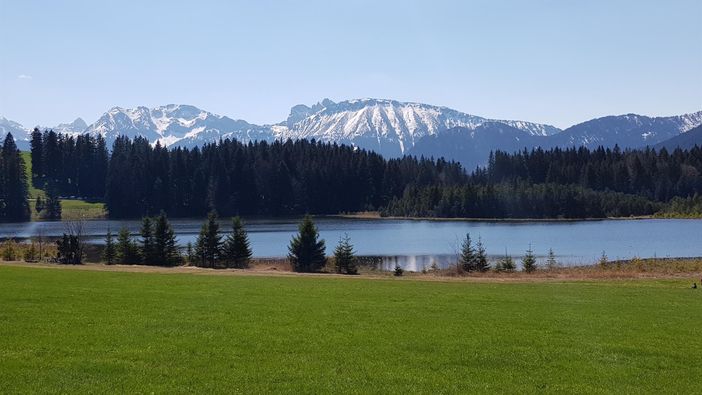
<point x="416" y="244"/>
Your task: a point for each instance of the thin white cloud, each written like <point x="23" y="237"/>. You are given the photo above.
<point x="24" y="77"/>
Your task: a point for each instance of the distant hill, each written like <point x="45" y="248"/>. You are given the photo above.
<point x="685" y="140"/>
<point x="627" y="131"/>
<point x="472" y="147"/>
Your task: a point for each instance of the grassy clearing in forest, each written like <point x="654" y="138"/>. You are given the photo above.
<point x="70" y="208"/>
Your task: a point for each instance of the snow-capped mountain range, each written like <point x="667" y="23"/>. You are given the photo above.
<point x="386" y="126"/>
<point x="389" y="127"/>
<point x="175" y="124"/>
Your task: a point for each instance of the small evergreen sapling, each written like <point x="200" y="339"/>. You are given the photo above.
<point x="604" y="261"/>
<point x="236" y="248"/>
<point x="481" y="260"/>
<point x="109" y="254"/>
<point x="506" y="264"/>
<point x="208" y="246"/>
<point x="165" y="248"/>
<point x="529" y="261"/>
<point x="468" y="258"/>
<point x="306" y="251"/>
<point x="344" y="256"/>
<point x="551" y="261"/>
<point x="147" y="242"/>
<point x="126" y="249"/>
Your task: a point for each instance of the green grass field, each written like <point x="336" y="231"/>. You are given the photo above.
<point x="68" y="331"/>
<point x="70" y="208"/>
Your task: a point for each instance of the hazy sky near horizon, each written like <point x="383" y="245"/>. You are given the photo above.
<point x="557" y="62"/>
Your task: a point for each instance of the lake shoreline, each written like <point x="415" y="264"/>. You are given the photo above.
<point x="376" y="215"/>
<point x="637" y="269"/>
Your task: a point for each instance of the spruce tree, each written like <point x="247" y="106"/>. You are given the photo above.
<point x="37" y="152"/>
<point x="52" y="204"/>
<point x="68" y="250"/>
<point x="109" y="254"/>
<point x="481" y="260"/>
<point x="190" y="256"/>
<point x="127" y="251"/>
<point x="39" y="205"/>
<point x="467" y="259"/>
<point x="237" y="249"/>
<point x="344" y="256"/>
<point x="529" y="261"/>
<point x="148" y="252"/>
<point x="506" y="264"/>
<point x="209" y="242"/>
<point x="306" y="251"/>
<point x="551" y="262"/>
<point x="165" y="248"/>
<point x="14" y="189"/>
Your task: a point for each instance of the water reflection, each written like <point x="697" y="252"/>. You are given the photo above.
<point x="418" y="244"/>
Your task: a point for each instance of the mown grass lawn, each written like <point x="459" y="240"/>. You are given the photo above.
<point x="74" y="331"/>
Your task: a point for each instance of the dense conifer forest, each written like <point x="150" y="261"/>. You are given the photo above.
<point x="566" y="183"/>
<point x="138" y="179"/>
<point x="14" y="190"/>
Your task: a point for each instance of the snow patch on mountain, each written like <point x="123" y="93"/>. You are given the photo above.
<point x="387" y="126"/>
<point x="174" y="124"/>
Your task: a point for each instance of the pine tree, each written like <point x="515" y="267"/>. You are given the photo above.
<point x="148" y="251"/>
<point x="344" y="256"/>
<point x="190" y="256"/>
<point x="68" y="250"/>
<point x="529" y="261"/>
<point x="165" y="248"/>
<point x="481" y="261"/>
<point x="14" y="189"/>
<point x="209" y="242"/>
<point x="551" y="262"/>
<point x="306" y="251"/>
<point x="237" y="249"/>
<point x="37" y="152"/>
<point x="467" y="258"/>
<point x="127" y="251"/>
<point x="506" y="264"/>
<point x="39" y="205"/>
<point x="52" y="204"/>
<point x="109" y="254"/>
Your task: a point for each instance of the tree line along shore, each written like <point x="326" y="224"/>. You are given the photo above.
<point x="135" y="179"/>
<point x="155" y="245"/>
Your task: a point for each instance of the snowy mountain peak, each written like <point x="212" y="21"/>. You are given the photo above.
<point x="174" y="124"/>
<point x="387" y="126"/>
<point x="74" y="128"/>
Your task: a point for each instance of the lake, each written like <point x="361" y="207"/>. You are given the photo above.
<point x="416" y="244"/>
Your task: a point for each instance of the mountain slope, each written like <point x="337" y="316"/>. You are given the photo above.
<point x="179" y="125"/>
<point x="74" y="128"/>
<point x="23" y="135"/>
<point x="685" y="140"/>
<point x="389" y="127"/>
<point x="472" y="147"/>
<point x="630" y="131"/>
<point x="627" y="131"/>
<point x="19" y="133"/>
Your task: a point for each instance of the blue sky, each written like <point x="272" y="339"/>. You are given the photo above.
<point x="558" y="62"/>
